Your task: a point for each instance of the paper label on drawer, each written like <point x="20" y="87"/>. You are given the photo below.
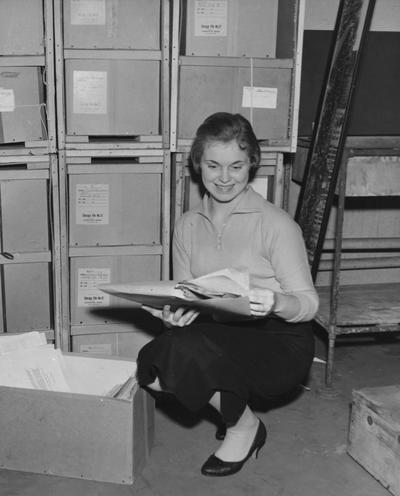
<point x="210" y="17"/>
<point x="88" y="12"/>
<point x="89" y="92"/>
<point x="88" y="294"/>
<point x="259" y="97"/>
<point x="96" y="349"/>
<point x="92" y="204"/>
<point x="7" y="100"/>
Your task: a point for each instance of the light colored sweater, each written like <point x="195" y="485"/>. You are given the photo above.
<point x="257" y="236"/>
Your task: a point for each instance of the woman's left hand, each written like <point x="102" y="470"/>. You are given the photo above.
<point x="262" y="302"/>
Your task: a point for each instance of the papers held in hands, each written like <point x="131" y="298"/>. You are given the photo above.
<point x="224" y="291"/>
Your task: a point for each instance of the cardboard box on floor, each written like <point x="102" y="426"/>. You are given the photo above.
<point x="374" y="434"/>
<point x="76" y="435"/>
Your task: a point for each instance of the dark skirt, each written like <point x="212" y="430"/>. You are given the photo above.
<point x="264" y="358"/>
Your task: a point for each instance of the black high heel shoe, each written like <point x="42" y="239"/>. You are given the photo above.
<point x="216" y="467"/>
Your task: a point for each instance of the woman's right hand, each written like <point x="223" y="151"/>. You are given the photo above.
<point x="180" y="318"/>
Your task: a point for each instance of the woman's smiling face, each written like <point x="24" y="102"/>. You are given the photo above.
<point x="224" y="170"/>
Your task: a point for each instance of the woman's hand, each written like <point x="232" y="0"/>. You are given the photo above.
<point x="262" y="302"/>
<point x="180" y="318"/>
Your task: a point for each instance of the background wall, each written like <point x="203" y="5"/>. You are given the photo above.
<point x="376" y="104"/>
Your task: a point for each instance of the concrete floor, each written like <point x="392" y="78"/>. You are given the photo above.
<point x="305" y="452"/>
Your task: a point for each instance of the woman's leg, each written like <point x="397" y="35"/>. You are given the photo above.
<point x="239" y="436"/>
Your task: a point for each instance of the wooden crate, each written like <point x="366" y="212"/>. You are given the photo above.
<point x="231" y="28"/>
<point x="112" y="97"/>
<point x="102" y="438"/>
<point x="21" y="27"/>
<point x="125" y="24"/>
<point x="22" y="115"/>
<point x="374" y="435"/>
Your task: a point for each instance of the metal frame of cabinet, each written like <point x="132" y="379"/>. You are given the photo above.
<point x="45" y="64"/>
<point x="102" y="63"/>
<point x="244" y="70"/>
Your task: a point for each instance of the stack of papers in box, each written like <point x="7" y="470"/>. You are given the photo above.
<point x="27" y="361"/>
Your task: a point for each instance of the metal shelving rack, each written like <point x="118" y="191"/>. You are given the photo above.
<point x="30" y="258"/>
<point x="98" y="165"/>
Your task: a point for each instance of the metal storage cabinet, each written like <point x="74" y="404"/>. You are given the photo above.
<point x="22" y="116"/>
<point x="27" y="297"/>
<point x="124" y="24"/>
<point x="113" y="136"/>
<point x="112" y="97"/>
<point x="113" y="71"/>
<point x="231" y="28"/>
<point x="117" y="231"/>
<point x="87" y="272"/>
<point x="226" y="84"/>
<point x="27" y="255"/>
<point x="21" y="27"/>
<point x="237" y="57"/>
<point x="27" y="85"/>
<point x="100" y="323"/>
<point x="115" y="204"/>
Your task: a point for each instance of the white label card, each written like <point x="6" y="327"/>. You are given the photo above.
<point x="88" y="12"/>
<point x="92" y="204"/>
<point x="96" y="349"/>
<point x="7" y="100"/>
<point x="89" y="92"/>
<point x="88" y="294"/>
<point x="210" y="17"/>
<point x="259" y="97"/>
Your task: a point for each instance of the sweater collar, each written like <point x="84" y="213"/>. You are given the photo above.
<point x="250" y="202"/>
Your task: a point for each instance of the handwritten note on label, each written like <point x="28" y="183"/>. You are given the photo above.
<point x="92" y="204"/>
<point x="89" y="92"/>
<point x="88" y="280"/>
<point x="88" y="12"/>
<point x="210" y="17"/>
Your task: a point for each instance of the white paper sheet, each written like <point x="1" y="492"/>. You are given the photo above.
<point x="7" y="100"/>
<point x="97" y="376"/>
<point x="157" y="294"/>
<point x="36" y="368"/>
<point x="23" y="341"/>
<point x="259" y="97"/>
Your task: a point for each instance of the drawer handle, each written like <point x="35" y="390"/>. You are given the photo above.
<point x="7" y="255"/>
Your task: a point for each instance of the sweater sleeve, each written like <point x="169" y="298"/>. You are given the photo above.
<point x="289" y="260"/>
<point x="181" y="251"/>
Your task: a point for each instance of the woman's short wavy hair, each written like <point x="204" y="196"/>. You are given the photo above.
<point x="225" y="127"/>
